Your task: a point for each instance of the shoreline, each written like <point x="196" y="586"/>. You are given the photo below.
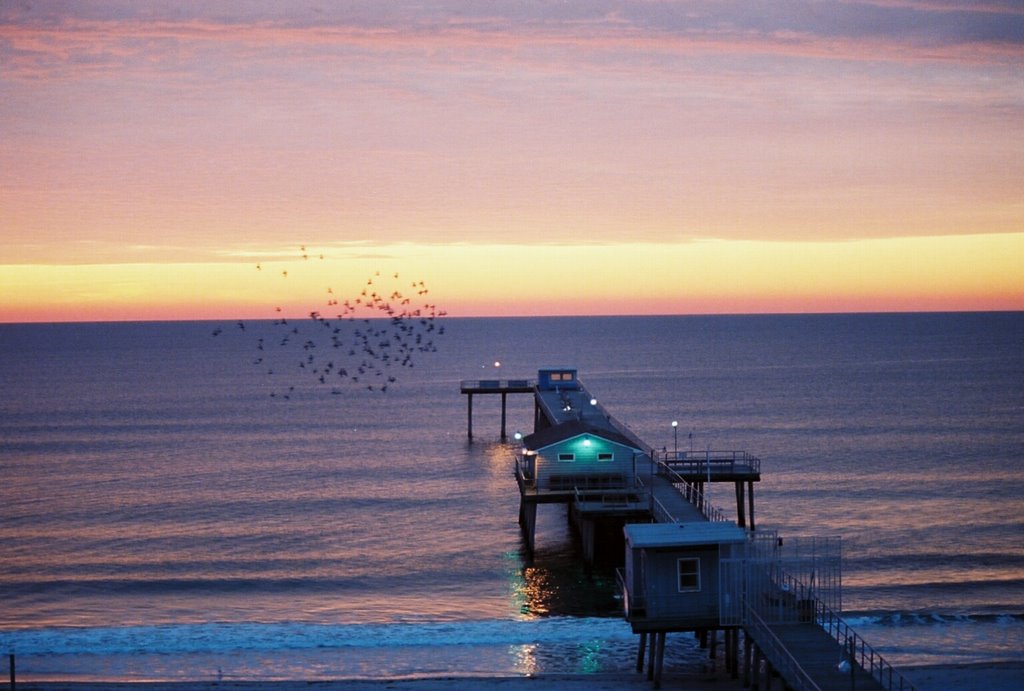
<point x="1002" y="676"/>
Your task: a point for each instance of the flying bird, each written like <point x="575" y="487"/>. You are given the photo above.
<point x="372" y="336"/>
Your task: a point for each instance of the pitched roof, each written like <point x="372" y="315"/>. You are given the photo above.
<point x="668" y="535"/>
<point x="573" y="428"/>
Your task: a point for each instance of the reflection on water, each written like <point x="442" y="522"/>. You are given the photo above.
<point x="556" y="582"/>
<point x="525" y="658"/>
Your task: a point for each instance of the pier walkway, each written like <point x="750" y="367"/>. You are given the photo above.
<point x="817" y="657"/>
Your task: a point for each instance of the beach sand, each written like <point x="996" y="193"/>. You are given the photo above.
<point x="1001" y="677"/>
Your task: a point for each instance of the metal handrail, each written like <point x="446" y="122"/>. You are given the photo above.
<point x="524" y="481"/>
<point x="692" y="495"/>
<point x="497" y="384"/>
<point x="607" y="495"/>
<point x="869" y="660"/>
<point x="824" y="616"/>
<point x="702" y="462"/>
<point x="620" y="579"/>
<point x="782" y="659"/>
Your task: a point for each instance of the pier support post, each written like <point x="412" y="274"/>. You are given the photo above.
<point x="741" y="520"/>
<point x="747" y="655"/>
<point x="587" y="530"/>
<point x="528" y="522"/>
<point x="750" y="497"/>
<point x="652" y="650"/>
<point x="469" y="415"/>
<point x="732" y="650"/>
<point x="755" y="684"/>
<point x="728" y="650"/>
<point x="504" y="396"/>
<point x="659" y="660"/>
<point x="640" y="652"/>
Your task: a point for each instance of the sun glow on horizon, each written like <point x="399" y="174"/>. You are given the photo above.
<point x="969" y="272"/>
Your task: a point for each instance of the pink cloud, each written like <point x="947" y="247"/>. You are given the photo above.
<point x="109" y="36"/>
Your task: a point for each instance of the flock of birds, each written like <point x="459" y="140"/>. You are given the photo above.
<point x="362" y="341"/>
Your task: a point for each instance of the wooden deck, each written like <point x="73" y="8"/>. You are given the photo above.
<point x="714" y="466"/>
<point x="474" y="386"/>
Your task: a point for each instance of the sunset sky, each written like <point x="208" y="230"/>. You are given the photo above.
<point x="521" y="157"/>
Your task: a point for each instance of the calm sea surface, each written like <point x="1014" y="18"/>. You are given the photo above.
<point x="169" y="509"/>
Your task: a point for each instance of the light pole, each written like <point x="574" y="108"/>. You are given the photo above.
<point x="675" y="438"/>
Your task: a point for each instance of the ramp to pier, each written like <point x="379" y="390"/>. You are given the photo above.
<point x="807" y="657"/>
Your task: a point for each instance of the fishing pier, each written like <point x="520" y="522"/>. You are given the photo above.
<point x="771" y="604"/>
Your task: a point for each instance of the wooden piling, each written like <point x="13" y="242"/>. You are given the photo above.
<point x="747" y="658"/>
<point x="528" y="522"/>
<point x="755" y="684"/>
<point x="504" y="396"/>
<point x="750" y="498"/>
<point x="651" y="652"/>
<point x="469" y="415"/>
<point x="640" y="652"/>
<point x="587" y="530"/>
<point x="732" y="652"/>
<point x="659" y="660"/>
<point x="10" y="663"/>
<point x="741" y="520"/>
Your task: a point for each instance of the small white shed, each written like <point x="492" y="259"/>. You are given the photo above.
<point x="671" y="575"/>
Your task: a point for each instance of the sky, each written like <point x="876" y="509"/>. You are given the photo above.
<point x="171" y="160"/>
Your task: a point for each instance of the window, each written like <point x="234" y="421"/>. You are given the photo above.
<point x="567" y="457"/>
<point x="688" y="571"/>
<point x="604" y="456"/>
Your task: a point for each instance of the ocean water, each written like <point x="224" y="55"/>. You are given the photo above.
<point x="171" y="509"/>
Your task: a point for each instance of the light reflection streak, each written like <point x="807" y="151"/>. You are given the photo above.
<point x="525" y="657"/>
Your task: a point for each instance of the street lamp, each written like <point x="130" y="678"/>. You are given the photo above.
<point x="675" y="437"/>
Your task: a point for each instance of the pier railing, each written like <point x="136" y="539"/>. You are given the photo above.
<point x="711" y="462"/>
<point x="858" y="649"/>
<point x="690" y="492"/>
<point x="764" y="596"/>
<point x="811" y="608"/>
<point x="624" y="498"/>
<point x="526" y="481"/>
<point x="497" y="385"/>
<point x="776" y="651"/>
